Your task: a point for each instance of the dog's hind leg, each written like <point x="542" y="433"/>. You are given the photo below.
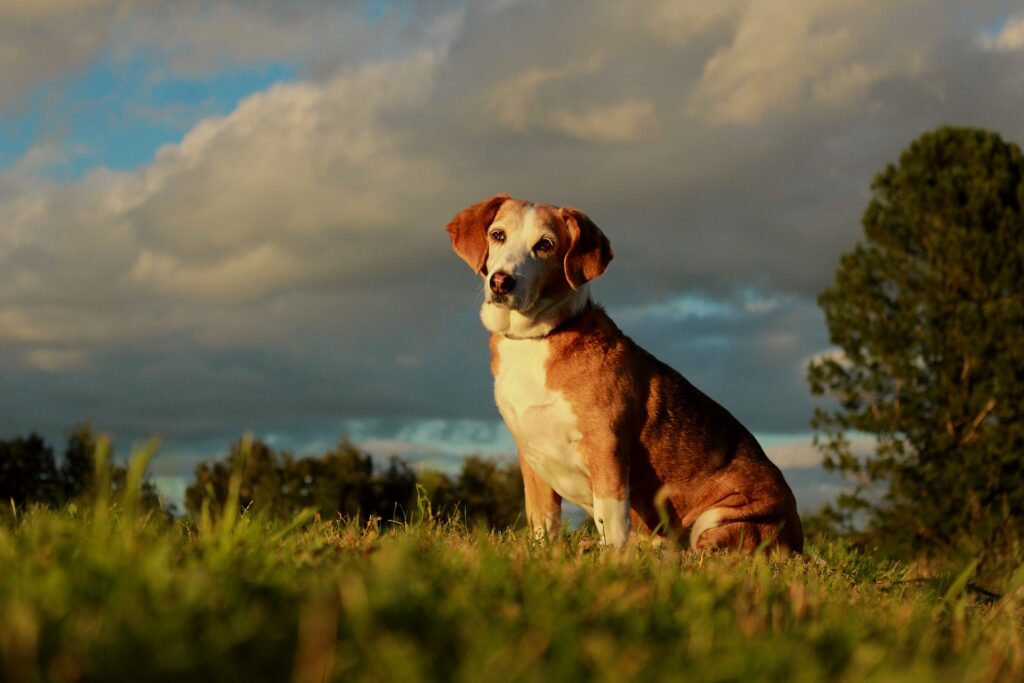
<point x="736" y="535"/>
<point x="713" y="532"/>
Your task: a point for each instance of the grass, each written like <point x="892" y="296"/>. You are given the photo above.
<point x="107" y="592"/>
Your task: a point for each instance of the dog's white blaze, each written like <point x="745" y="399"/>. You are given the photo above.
<point x="541" y="420"/>
<point x="515" y="255"/>
<point x="708" y="519"/>
<point x="612" y="518"/>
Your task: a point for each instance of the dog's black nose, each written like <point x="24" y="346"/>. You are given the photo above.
<point x="502" y="283"/>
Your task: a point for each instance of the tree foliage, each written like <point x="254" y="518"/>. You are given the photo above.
<point x="341" y="482"/>
<point x="928" y="312"/>
<point x="485" y="492"/>
<point x="279" y="484"/>
<point x="344" y="482"/>
<point x="30" y="473"/>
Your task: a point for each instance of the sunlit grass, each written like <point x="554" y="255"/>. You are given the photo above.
<point x="108" y="592"/>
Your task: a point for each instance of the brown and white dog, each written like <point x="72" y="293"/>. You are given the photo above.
<point x="596" y="419"/>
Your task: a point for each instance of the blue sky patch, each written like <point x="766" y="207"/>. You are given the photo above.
<point x="118" y="113"/>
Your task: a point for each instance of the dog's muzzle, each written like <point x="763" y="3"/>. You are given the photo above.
<point x="502" y="283"/>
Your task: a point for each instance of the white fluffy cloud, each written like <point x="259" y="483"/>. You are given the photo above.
<point x="530" y="101"/>
<point x="298" y="188"/>
<point x="784" y="57"/>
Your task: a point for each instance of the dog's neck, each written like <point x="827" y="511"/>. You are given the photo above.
<point x="538" y="322"/>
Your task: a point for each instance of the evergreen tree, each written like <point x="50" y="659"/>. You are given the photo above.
<point x="928" y="312"/>
<point x="28" y="473"/>
<point x="76" y="472"/>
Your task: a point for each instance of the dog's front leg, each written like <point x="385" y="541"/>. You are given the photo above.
<point x="611" y="515"/>
<point x="609" y="474"/>
<point x="543" y="504"/>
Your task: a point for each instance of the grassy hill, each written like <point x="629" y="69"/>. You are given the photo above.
<point x="105" y="592"/>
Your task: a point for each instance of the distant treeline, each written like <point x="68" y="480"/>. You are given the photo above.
<point x="30" y="473"/>
<point x="342" y="482"/>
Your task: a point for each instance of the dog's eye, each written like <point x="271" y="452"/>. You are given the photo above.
<point x="498" y="235"/>
<point x="544" y="245"/>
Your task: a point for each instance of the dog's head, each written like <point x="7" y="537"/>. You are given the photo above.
<point x="529" y="255"/>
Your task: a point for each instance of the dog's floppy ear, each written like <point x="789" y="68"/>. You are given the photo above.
<point x="589" y="251"/>
<point x="468" y="230"/>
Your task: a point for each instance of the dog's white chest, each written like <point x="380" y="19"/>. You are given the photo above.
<point x="541" y="420"/>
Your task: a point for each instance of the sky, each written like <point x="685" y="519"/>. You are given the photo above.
<point x="220" y="217"/>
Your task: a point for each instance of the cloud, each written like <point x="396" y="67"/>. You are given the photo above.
<point x="681" y="22"/>
<point x="813" y="54"/>
<point x="46" y="40"/>
<point x="283" y="232"/>
<point x="622" y="122"/>
<point x="43" y="40"/>
<point x="296" y="188"/>
<point x="533" y="101"/>
<point x="284" y="266"/>
<point x="1009" y="37"/>
<point x="793" y="454"/>
<point x="797" y="451"/>
<point x="270" y="269"/>
<point x="292" y="190"/>
<point x="55" y="359"/>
